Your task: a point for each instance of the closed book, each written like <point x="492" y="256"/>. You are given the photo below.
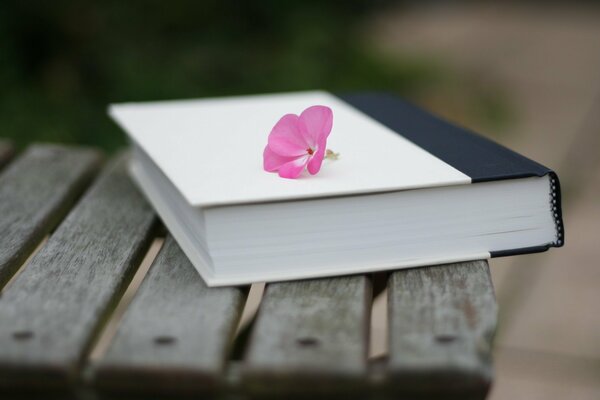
<point x="407" y="188"/>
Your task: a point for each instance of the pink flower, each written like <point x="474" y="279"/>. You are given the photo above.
<point x="296" y="142"/>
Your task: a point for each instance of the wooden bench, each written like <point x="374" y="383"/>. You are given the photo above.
<point x="73" y="231"/>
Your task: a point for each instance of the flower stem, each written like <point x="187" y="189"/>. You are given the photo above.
<point x="331" y="155"/>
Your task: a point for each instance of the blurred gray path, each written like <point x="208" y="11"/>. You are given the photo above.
<point x="547" y="61"/>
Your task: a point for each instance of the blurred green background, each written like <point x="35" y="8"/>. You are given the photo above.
<point x="63" y="62"/>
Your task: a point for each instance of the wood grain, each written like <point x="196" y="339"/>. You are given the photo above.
<point x="442" y="320"/>
<point x="36" y="191"/>
<point x="310" y="337"/>
<point x="50" y="313"/>
<point x="176" y="334"/>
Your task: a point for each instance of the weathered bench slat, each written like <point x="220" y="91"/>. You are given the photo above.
<point x="36" y="191"/>
<point x="51" y="311"/>
<point x="442" y="320"/>
<point x="6" y="152"/>
<point x="176" y="334"/>
<point x="310" y="336"/>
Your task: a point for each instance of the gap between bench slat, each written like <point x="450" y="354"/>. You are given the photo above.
<point x="442" y="320"/>
<point x="36" y="191"/>
<point x="52" y="310"/>
<point x="310" y="337"/>
<point x="176" y="334"/>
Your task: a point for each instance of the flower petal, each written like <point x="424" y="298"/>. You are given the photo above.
<point x="314" y="164"/>
<point x="317" y="121"/>
<point x="293" y="169"/>
<point x="286" y="137"/>
<point x="272" y="161"/>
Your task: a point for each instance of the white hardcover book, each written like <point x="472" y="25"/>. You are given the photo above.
<point x="407" y="189"/>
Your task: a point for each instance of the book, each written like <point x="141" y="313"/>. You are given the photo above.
<point x="408" y="188"/>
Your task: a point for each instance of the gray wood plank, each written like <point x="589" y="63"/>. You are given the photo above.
<point x="7" y="151"/>
<point x="310" y="337"/>
<point x="442" y="321"/>
<point x="51" y="312"/>
<point x="176" y="334"/>
<point x="36" y="191"/>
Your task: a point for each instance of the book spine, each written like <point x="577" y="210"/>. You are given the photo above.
<point x="556" y="209"/>
<point x="477" y="157"/>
